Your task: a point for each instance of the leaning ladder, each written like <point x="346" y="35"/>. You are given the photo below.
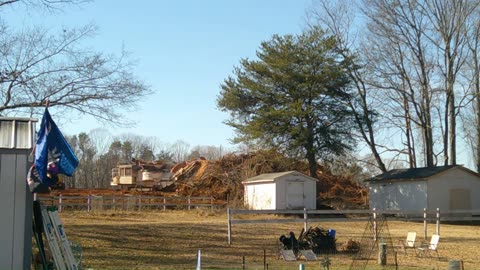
<point x="57" y="240"/>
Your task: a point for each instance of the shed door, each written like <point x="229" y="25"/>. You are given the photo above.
<point x="295" y="195"/>
<point x="460" y="199"/>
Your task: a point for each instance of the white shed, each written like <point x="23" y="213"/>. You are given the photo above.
<point x="450" y="187"/>
<point x="285" y="190"/>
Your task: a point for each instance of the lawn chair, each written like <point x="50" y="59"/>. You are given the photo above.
<point x="409" y="242"/>
<point x="426" y="249"/>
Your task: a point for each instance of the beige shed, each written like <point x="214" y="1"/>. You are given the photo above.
<point x="284" y="190"/>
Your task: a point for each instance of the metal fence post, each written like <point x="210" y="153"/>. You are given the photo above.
<point x="229" y="222"/>
<point x="305" y="218"/>
<point x="164" y="204"/>
<point x="60" y="203"/>
<point x="88" y="203"/>
<point x="438" y="221"/>
<point x="139" y="202"/>
<point x="374" y="225"/>
<point x="425" y="223"/>
<point x="189" y="202"/>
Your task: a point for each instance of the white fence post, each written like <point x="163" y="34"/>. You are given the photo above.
<point x="88" y="203"/>
<point x="438" y="221"/>
<point x="425" y="223"/>
<point x="305" y="218"/>
<point x="60" y="203"/>
<point x="229" y="218"/>
<point x="164" y="204"/>
<point x="374" y="225"/>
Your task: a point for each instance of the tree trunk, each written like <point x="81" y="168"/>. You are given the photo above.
<point x="312" y="163"/>
<point x="477" y="106"/>
<point x="446" y="133"/>
<point x="363" y="117"/>
<point x="408" y="132"/>
<point x="450" y="80"/>
<point x="453" y="137"/>
<point x="427" y="129"/>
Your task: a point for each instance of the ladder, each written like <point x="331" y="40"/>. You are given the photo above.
<point x="57" y="240"/>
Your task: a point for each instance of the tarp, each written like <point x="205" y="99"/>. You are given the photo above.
<point x="52" y="147"/>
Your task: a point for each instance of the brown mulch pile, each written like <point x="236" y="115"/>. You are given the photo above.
<point x="222" y="179"/>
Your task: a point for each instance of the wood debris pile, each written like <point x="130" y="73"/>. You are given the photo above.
<point x="222" y="178"/>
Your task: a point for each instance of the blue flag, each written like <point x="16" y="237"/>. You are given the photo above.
<point x="52" y="146"/>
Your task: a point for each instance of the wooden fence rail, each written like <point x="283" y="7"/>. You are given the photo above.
<point x="126" y="202"/>
<point x="424" y="215"/>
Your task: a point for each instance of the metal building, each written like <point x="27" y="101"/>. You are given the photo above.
<point x="451" y="187"/>
<point x="16" y="144"/>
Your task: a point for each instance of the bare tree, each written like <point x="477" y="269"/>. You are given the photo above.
<point x="339" y="17"/>
<point x="102" y="139"/>
<point x="210" y="152"/>
<point x="401" y="25"/>
<point x="36" y="66"/>
<point x="449" y="20"/>
<point x="180" y="151"/>
<point x="413" y="53"/>
<point x="49" y="5"/>
<point x="472" y="122"/>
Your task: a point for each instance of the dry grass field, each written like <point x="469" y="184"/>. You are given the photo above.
<point x="171" y="239"/>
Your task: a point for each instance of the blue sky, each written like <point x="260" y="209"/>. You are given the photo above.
<point x="183" y="49"/>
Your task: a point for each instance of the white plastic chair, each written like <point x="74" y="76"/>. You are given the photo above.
<point x="427" y="248"/>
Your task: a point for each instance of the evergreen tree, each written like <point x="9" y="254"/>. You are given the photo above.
<point x="294" y="97"/>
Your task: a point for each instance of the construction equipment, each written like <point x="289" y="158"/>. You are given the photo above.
<point x="141" y="175"/>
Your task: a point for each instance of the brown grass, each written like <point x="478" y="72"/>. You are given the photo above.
<point x="171" y="239"/>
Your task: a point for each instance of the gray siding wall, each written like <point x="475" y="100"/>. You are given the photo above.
<point x="16" y="210"/>
<point x="407" y="195"/>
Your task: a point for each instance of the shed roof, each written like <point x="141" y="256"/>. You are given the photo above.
<point x="414" y="173"/>
<point x="272" y="177"/>
<point x="25" y="119"/>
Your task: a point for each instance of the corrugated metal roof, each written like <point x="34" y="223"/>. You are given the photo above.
<point x="270" y="177"/>
<point x="410" y="174"/>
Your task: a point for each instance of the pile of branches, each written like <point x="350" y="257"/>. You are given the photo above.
<point x="222" y="179"/>
<point x="317" y="239"/>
